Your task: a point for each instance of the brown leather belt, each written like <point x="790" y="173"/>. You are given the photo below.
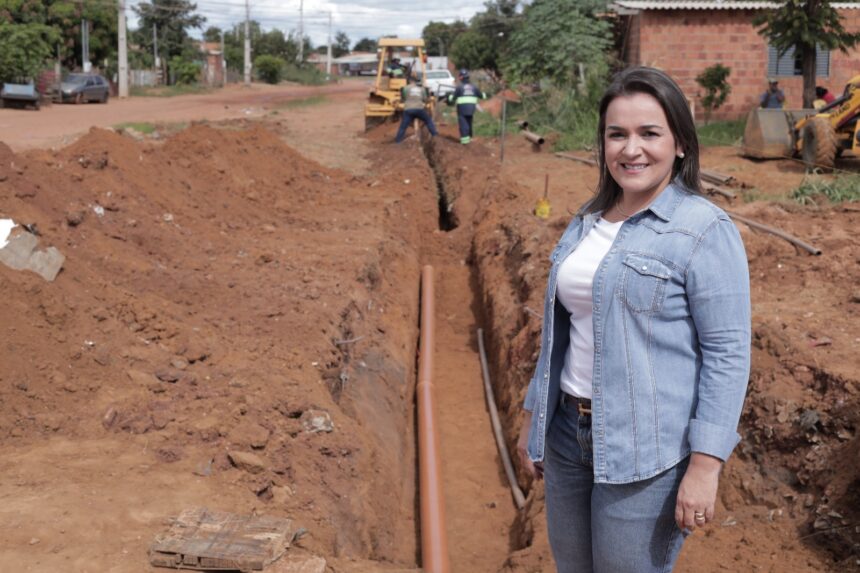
<point x="583" y="405"/>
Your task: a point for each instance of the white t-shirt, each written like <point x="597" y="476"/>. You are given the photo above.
<point x="574" y="290"/>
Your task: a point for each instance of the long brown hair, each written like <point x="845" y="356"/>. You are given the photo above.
<point x="661" y="87"/>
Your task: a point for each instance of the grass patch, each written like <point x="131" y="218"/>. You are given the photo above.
<point x="139" y="126"/>
<point x="303" y="102"/>
<point x="169" y="91"/>
<point x="839" y="189"/>
<point x="721" y="133"/>
<point x="307" y="76"/>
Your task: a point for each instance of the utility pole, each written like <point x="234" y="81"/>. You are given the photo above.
<point x="85" y="45"/>
<point x="122" y="52"/>
<point x="328" y="52"/>
<point x="301" y="31"/>
<point x="247" y="44"/>
<point x="155" y="46"/>
<point x="223" y="62"/>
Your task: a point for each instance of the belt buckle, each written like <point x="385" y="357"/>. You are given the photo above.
<point x="583" y="409"/>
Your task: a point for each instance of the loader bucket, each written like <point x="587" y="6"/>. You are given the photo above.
<point x="767" y="134"/>
<point x="773" y="133"/>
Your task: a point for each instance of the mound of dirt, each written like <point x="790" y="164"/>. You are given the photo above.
<point x="231" y="315"/>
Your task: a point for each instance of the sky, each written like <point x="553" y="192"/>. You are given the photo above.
<point x="358" y="18"/>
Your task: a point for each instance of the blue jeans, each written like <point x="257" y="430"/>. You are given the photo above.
<point x="410" y="115"/>
<point x="605" y="528"/>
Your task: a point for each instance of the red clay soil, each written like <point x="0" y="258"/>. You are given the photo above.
<point x="234" y="296"/>
<point x="230" y="300"/>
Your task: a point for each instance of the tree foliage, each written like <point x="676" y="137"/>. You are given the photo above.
<point x="715" y="81"/>
<point x="172" y="19"/>
<point x="365" y="45"/>
<point x="805" y="24"/>
<point x="24" y="49"/>
<point x="555" y="37"/>
<point x="271" y="43"/>
<point x="439" y="36"/>
<point x="270" y="69"/>
<point x="473" y="50"/>
<point x="65" y="17"/>
<point x="341" y="44"/>
<point x="497" y="24"/>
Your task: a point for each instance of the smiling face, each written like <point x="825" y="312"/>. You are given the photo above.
<point x="639" y="146"/>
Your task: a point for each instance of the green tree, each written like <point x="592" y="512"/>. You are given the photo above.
<point x="555" y="37"/>
<point x="497" y="24"/>
<point x="365" y="45"/>
<point x="65" y="17"/>
<point x="24" y="49"/>
<point x="270" y="69"/>
<point x="804" y="25"/>
<point x="439" y="36"/>
<point x="715" y="81"/>
<point x="212" y="34"/>
<point x="341" y="44"/>
<point x="172" y="19"/>
<point x="473" y="50"/>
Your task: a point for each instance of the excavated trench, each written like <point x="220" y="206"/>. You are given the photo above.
<point x="244" y="330"/>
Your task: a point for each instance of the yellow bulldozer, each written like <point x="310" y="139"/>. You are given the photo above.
<point x="819" y="136"/>
<point x="385" y="100"/>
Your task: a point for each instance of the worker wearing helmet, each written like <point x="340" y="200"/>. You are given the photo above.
<point x="395" y="69"/>
<point x="465" y="97"/>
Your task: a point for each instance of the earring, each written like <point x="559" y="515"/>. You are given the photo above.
<point x="681" y="155"/>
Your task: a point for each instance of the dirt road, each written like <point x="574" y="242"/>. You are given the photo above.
<point x="60" y="124"/>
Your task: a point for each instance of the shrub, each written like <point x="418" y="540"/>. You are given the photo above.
<point x="269" y="68"/>
<point x="184" y="72"/>
<point x="714" y="80"/>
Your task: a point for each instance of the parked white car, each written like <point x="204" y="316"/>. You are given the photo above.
<point x="440" y="82"/>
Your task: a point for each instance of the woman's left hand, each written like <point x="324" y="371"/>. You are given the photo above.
<point x="698" y="492"/>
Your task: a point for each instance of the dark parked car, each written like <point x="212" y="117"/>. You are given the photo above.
<point x="79" y="88"/>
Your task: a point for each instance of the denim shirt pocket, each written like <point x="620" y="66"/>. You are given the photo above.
<point x="643" y="283"/>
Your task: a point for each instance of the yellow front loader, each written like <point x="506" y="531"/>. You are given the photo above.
<point x="385" y="100"/>
<point x="818" y="136"/>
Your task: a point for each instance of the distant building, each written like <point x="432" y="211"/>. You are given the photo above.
<point x="214" y="66"/>
<point x="683" y="37"/>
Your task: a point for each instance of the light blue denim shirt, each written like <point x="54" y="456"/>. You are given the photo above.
<point x="671" y="339"/>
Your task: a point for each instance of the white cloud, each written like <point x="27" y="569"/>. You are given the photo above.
<point x="358" y="18"/>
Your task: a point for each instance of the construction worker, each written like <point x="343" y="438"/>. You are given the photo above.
<point x="465" y="97"/>
<point x="415" y="98"/>
<point x="395" y="69"/>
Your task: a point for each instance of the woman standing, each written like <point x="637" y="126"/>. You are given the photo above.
<point x="645" y="345"/>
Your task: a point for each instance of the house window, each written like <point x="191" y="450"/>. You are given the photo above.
<point x="789" y="64"/>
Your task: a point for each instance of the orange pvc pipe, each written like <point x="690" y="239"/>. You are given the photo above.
<point x="434" y="538"/>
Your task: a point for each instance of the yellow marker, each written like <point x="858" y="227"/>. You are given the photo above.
<point x="542" y="208"/>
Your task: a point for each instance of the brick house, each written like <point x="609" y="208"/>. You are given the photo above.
<point x="683" y="37"/>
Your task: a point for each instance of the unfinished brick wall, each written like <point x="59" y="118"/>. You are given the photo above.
<point x="685" y="42"/>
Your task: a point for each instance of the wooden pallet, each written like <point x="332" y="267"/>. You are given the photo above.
<point x="219" y="541"/>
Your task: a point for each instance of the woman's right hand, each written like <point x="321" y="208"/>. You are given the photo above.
<point x="533" y="469"/>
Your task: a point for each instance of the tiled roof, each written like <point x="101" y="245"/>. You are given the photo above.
<point x="712" y="5"/>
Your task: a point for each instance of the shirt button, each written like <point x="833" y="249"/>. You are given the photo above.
<point x="644" y="268"/>
<point x="541" y="415"/>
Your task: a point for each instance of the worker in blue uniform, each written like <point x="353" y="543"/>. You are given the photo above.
<point x="466" y="98"/>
